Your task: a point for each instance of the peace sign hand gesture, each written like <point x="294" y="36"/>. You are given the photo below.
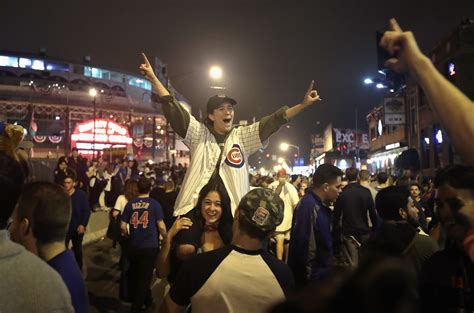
<point x="311" y="95"/>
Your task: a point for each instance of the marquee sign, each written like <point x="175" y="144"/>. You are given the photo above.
<point x="107" y="134"/>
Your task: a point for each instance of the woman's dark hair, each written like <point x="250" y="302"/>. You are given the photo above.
<point x="226" y="217"/>
<point x="60" y="160"/>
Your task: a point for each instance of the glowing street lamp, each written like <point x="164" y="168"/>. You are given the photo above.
<point x="215" y="72"/>
<point x="285" y="146"/>
<point x="93" y="94"/>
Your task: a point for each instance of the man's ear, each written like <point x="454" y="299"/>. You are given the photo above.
<point x="211" y="117"/>
<point x="325" y="187"/>
<point x="25" y="227"/>
<point x="403" y="213"/>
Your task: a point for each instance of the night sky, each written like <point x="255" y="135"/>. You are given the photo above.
<point x="269" y="50"/>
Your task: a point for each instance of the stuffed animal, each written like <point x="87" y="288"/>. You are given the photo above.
<point x="10" y="137"/>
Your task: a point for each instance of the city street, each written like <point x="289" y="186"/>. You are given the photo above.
<point x="102" y="278"/>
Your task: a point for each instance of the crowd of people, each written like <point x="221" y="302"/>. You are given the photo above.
<point x="228" y="241"/>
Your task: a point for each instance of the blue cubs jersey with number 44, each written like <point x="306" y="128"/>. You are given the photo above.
<point x="141" y="214"/>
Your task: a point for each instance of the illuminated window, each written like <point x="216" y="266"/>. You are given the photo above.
<point x="25" y="63"/>
<point x="139" y="82"/>
<point x="31" y="63"/>
<point x="116" y="77"/>
<point x="57" y="67"/>
<point x="92" y="72"/>
<point x="8" y="61"/>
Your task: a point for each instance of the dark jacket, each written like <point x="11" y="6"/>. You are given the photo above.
<point x="352" y="207"/>
<point x="80" y="210"/>
<point x="400" y="239"/>
<point x="311" y="248"/>
<point x="447" y="282"/>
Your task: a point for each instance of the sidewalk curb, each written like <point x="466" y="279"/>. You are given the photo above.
<point x="91" y="237"/>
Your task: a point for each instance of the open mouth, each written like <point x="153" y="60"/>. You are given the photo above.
<point x="211" y="214"/>
<point x="227" y="120"/>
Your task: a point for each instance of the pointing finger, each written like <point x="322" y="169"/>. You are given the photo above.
<point x="394" y="25"/>
<point x="145" y="59"/>
<point x="310" y="87"/>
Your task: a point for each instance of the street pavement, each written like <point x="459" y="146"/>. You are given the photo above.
<point x="101" y="270"/>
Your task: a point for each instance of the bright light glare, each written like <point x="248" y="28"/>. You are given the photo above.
<point x="380" y="86"/>
<point x="439" y="136"/>
<point x="427" y="140"/>
<point x="368" y="81"/>
<point x="215" y="72"/>
<point x="281" y="160"/>
<point x="284" y="146"/>
<point x="92" y="92"/>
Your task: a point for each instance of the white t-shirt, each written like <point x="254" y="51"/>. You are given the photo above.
<point x="232" y="279"/>
<point x="120" y="203"/>
<point x="290" y="198"/>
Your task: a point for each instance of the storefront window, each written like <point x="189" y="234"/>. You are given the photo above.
<point x="8" y="61"/>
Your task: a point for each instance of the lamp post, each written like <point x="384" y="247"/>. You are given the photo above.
<point x="284" y="146"/>
<point x="93" y="94"/>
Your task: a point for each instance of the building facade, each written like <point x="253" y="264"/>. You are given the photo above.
<point x="57" y="102"/>
<point x="413" y="125"/>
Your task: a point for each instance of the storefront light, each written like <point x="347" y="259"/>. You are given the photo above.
<point x="439" y="136"/>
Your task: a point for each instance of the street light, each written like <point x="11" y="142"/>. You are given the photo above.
<point x="284" y="147"/>
<point x="368" y="81"/>
<point x="215" y="72"/>
<point x="93" y="93"/>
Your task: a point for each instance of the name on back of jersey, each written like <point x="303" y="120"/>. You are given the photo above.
<point x="140" y="205"/>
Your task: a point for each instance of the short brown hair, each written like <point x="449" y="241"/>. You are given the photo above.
<point x="130" y="189"/>
<point x="48" y="208"/>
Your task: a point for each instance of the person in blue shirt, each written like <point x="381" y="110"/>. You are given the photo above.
<point x="142" y="221"/>
<point x="40" y="223"/>
<point x="311" y="248"/>
<point x="81" y="213"/>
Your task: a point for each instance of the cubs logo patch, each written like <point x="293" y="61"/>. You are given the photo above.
<point x="234" y="157"/>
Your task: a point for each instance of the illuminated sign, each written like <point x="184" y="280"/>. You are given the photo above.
<point x="107" y="133"/>
<point x="439" y="136"/>
<point x="392" y="146"/>
<point x="451" y="69"/>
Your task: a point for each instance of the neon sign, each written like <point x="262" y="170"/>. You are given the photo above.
<point x="107" y="133"/>
<point x="451" y="69"/>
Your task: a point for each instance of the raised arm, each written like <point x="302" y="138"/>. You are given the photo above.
<point x="271" y="123"/>
<point x="147" y="70"/>
<point x="309" y="99"/>
<point x="174" y="111"/>
<point x="453" y="108"/>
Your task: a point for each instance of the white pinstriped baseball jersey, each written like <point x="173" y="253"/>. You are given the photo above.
<point x="205" y="151"/>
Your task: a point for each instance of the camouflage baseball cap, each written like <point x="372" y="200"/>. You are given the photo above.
<point x="262" y="208"/>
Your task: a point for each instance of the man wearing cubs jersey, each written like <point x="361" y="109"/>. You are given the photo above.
<point x="144" y="217"/>
<point x="219" y="151"/>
